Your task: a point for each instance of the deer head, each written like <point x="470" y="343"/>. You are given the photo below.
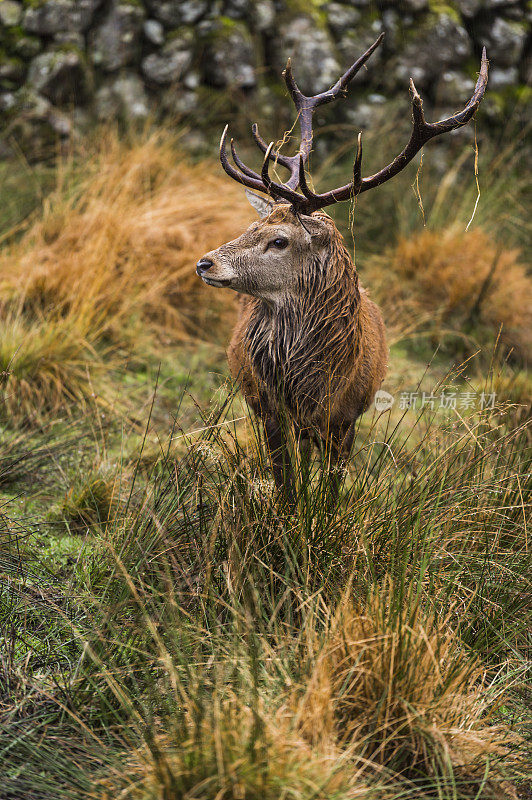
<point x="266" y="260"/>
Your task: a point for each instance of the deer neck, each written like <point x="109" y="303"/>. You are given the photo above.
<point x="304" y="345"/>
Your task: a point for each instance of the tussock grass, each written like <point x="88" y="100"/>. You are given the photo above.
<point x="457" y="282"/>
<point x="106" y="270"/>
<point x="117" y="241"/>
<point x="93" y="499"/>
<point x="392" y="680"/>
<point x="45" y="366"/>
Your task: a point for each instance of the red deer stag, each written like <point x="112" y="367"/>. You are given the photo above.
<point x="309" y="345"/>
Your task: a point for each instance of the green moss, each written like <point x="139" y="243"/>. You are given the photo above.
<point x="450" y="9"/>
<point x="13" y="39"/>
<point x="506" y="100"/>
<point x="225" y="28"/>
<point x="180" y="33"/>
<point x="315" y="9"/>
<point x="16" y="32"/>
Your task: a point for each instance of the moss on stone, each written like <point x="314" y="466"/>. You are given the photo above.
<point x="442" y="7"/>
<point x="315" y="9"/>
<point x="225" y="28"/>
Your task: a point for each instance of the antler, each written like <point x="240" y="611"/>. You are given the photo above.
<point x="308" y="201"/>
<point x="305" y="107"/>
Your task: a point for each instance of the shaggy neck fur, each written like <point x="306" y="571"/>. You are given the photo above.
<point x="305" y="348"/>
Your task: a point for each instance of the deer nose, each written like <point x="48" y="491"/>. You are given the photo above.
<point x="203" y="265"/>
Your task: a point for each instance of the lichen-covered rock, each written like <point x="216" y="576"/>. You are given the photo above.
<point x="10" y="13"/>
<point x="179" y="101"/>
<point x="439" y="44"/>
<point x="7" y="101"/>
<point x="116" y="41"/>
<point x="263" y="18"/>
<point x="174" y="13"/>
<point x="341" y="18"/>
<point x="61" y="76"/>
<point x="468" y="8"/>
<point x="454" y="88"/>
<point x="365" y="116"/>
<point x="393" y="24"/>
<point x="59" y="122"/>
<point x="124" y="98"/>
<point x="414" y="5"/>
<point x="192" y="80"/>
<point x="153" y="32"/>
<point x="12" y="73"/>
<point x="312" y="52"/>
<point x="72" y="38"/>
<point x="502" y="78"/>
<point x="495" y="5"/>
<point x="167" y="55"/>
<point x="27" y="47"/>
<point x="35" y="124"/>
<point x="229" y="58"/>
<point x="60" y="15"/>
<point x="504" y="41"/>
<point x="236" y="9"/>
<point x="170" y="63"/>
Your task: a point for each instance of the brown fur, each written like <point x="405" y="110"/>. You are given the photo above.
<point x="308" y="340"/>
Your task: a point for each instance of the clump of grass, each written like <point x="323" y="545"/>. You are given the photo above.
<point x="462" y="283"/>
<point x="117" y="241"/>
<point x="234" y="751"/>
<point x="46" y="367"/>
<point x="393" y="683"/>
<point x="92" y="500"/>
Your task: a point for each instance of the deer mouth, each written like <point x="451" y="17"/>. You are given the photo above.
<point x="218" y="282"/>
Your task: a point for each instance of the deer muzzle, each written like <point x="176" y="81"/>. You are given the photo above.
<point x="203" y="270"/>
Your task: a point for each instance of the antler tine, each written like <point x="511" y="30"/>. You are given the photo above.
<point x="295" y="92"/>
<point x="284" y="161"/>
<point x="340" y="85"/>
<point x="308" y="202"/>
<point x="423" y="131"/>
<point x="240" y="164"/>
<point x="309" y="194"/>
<point x="357" y="167"/>
<point x="245" y="179"/>
<point x="267" y="181"/>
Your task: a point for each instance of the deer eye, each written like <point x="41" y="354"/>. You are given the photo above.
<point x="279" y="243"/>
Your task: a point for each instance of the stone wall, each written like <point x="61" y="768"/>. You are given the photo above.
<point x="67" y="63"/>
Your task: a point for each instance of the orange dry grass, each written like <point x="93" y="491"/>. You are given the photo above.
<point x="233" y="752"/>
<point x="394" y="687"/>
<point x="116" y="250"/>
<point x="454" y="280"/>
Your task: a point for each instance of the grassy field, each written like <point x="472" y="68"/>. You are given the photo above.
<point x="167" y="630"/>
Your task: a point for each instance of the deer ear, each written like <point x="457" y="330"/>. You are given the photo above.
<point x="262" y="205"/>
